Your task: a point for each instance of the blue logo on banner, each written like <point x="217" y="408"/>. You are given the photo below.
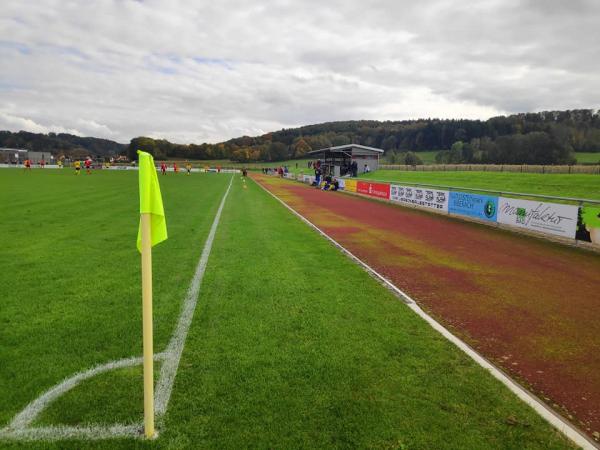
<point x="473" y="205"/>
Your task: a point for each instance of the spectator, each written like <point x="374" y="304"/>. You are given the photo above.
<point x="326" y="183"/>
<point x="367" y="169"/>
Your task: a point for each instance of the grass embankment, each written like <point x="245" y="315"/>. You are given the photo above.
<point x="587" y="158"/>
<point x="581" y="157"/>
<point x="561" y="185"/>
<point x="292" y="345"/>
<point x="427" y="157"/>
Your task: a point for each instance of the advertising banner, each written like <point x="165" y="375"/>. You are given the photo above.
<point x="418" y="196"/>
<point x="123" y="167"/>
<point x="473" y="205"/>
<point x="588" y="224"/>
<point x="350" y="185"/>
<point x="551" y="218"/>
<point x="379" y="190"/>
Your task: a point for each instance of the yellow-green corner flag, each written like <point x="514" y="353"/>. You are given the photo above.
<point x="151" y="200"/>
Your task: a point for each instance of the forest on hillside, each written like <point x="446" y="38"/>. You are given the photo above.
<point x="548" y="137"/>
<point x="61" y="144"/>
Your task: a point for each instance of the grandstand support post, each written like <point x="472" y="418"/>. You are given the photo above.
<point x="147" y="325"/>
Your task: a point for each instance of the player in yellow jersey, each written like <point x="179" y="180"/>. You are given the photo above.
<point x="188" y="167"/>
<point x="77" y="165"/>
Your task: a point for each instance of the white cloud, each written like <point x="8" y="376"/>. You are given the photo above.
<point x="209" y="71"/>
<point x="12" y="122"/>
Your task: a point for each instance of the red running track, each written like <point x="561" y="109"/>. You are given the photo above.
<point x="531" y="306"/>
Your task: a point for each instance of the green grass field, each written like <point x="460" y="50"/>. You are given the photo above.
<point x="587" y="158"/>
<point x="292" y="345"/>
<point x="561" y="185"/>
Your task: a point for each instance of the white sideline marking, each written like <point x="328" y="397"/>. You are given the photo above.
<point x="59" y="432"/>
<point x="530" y="399"/>
<point x="20" y="427"/>
<point x="175" y="347"/>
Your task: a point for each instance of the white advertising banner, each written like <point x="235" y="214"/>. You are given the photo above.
<point x="124" y="168"/>
<point x="550" y="218"/>
<point x="419" y="196"/>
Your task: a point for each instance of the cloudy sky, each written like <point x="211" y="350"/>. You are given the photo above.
<point x="206" y="71"/>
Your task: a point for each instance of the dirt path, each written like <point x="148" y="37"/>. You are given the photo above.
<point x="531" y="306"/>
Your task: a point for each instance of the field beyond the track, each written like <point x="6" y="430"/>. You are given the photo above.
<point x="560" y="185"/>
<point x="292" y="345"/>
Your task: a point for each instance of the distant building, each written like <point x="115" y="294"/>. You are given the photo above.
<point x="337" y="161"/>
<point x="36" y="157"/>
<point x="12" y="155"/>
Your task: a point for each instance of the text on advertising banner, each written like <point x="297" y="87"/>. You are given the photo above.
<point x="551" y="218"/>
<point x="378" y="190"/>
<point x="350" y="185"/>
<point x="418" y="196"/>
<point x="473" y="205"/>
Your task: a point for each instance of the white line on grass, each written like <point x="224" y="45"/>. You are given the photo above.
<point x="530" y="399"/>
<point x="175" y="347"/>
<point x="31" y="411"/>
<point x="20" y="427"/>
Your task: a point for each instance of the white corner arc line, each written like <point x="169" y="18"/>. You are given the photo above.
<point x="558" y="422"/>
<point x="20" y="427"/>
<point x="31" y="411"/>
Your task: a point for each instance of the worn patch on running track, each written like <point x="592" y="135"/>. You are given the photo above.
<point x="530" y="306"/>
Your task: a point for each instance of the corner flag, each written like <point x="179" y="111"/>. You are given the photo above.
<point x="152" y="230"/>
<point x="151" y="200"/>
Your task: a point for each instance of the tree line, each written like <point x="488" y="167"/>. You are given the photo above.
<point x="548" y="137"/>
<point x="61" y="144"/>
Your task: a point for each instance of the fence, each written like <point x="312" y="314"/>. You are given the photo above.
<point x="585" y="169"/>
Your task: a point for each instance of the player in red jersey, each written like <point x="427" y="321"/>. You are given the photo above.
<point x="27" y="164"/>
<point x="88" y="166"/>
<point x="175" y="169"/>
<point x="163" y="168"/>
